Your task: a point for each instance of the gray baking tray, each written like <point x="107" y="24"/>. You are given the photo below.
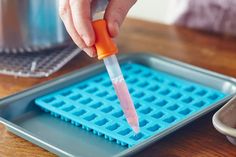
<point x="224" y="120"/>
<point x="22" y="117"/>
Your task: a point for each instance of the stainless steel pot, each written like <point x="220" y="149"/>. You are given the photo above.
<point x="30" y="25"/>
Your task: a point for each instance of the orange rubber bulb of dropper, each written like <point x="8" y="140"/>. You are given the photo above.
<point x="103" y="43"/>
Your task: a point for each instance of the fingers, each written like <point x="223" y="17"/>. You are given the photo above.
<point x="82" y="20"/>
<point x="66" y="16"/>
<point x="115" y="14"/>
<point x="76" y="16"/>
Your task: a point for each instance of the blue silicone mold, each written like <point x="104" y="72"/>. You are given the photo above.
<point x="161" y="100"/>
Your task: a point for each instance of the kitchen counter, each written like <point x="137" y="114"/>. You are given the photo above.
<point x="206" y="50"/>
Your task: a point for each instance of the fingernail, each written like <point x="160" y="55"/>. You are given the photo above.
<point x="114" y="28"/>
<point x="90" y="51"/>
<point x="117" y="28"/>
<point x="87" y="41"/>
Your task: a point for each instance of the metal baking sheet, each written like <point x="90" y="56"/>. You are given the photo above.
<point x="22" y="117"/>
<point x="224" y="120"/>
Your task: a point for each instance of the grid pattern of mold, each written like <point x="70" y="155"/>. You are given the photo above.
<point x="161" y="100"/>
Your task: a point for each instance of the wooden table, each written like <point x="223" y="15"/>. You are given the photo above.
<point x="213" y="52"/>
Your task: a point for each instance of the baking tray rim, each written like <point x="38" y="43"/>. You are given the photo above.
<point x="219" y="125"/>
<point x="28" y="135"/>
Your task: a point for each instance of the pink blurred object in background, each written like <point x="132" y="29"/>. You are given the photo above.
<point x="211" y="15"/>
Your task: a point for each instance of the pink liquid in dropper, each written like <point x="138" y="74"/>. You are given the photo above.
<point x="126" y="103"/>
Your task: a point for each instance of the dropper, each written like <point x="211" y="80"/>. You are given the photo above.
<point x="106" y="50"/>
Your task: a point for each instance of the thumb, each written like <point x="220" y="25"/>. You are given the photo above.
<point x="115" y="14"/>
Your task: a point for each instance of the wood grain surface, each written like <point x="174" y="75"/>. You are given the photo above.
<point x="206" y="50"/>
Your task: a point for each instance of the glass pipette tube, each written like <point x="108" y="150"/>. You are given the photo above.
<point x="122" y="91"/>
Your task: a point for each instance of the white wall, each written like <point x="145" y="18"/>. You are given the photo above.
<point x="151" y="10"/>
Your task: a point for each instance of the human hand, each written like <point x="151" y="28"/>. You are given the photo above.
<point x="76" y="16"/>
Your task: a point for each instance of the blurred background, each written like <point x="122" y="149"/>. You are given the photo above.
<point x="216" y="16"/>
<point x="34" y="29"/>
<point x="152" y="10"/>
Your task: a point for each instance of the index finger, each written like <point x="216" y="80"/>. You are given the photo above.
<point x="81" y="14"/>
